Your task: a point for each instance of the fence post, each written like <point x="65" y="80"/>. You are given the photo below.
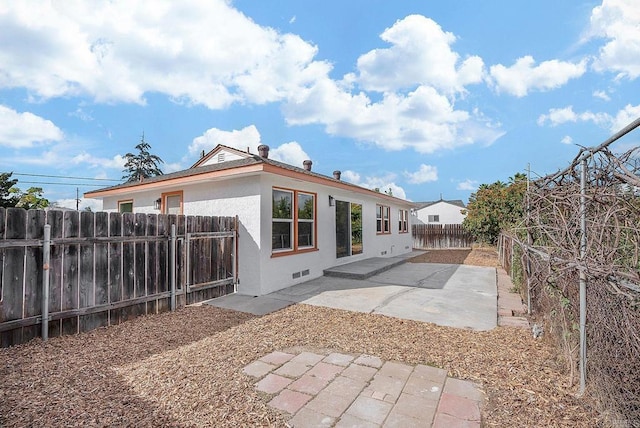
<point x="234" y="261"/>
<point x="583" y="275"/>
<point x="46" y="258"/>
<point x="172" y="263"/>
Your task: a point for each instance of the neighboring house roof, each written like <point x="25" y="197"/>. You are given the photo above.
<point x="456" y="202"/>
<point x="217" y="149"/>
<point x="251" y="164"/>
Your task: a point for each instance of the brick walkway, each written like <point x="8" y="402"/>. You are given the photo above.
<point x="511" y="310"/>
<point x="339" y="390"/>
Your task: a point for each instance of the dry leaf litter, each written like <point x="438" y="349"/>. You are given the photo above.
<point x="184" y="369"/>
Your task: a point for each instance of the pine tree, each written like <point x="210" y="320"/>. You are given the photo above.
<point x="142" y="165"/>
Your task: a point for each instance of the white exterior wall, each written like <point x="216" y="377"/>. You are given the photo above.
<point x="239" y="197"/>
<point x="277" y="271"/>
<point x="449" y="213"/>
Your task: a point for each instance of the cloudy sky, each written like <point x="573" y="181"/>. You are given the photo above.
<point x="425" y="98"/>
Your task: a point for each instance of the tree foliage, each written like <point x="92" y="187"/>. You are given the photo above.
<point x="32" y="199"/>
<point x="8" y="197"/>
<point x="143" y="164"/>
<point x="12" y="196"/>
<point x="495" y="207"/>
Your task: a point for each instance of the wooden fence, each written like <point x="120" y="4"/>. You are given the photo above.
<point x="440" y="236"/>
<point x="105" y="268"/>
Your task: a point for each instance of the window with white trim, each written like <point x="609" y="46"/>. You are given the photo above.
<point x="433" y="219"/>
<point x="403" y="221"/>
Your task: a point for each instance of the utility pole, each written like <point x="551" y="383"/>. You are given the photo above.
<point x="77" y="199"/>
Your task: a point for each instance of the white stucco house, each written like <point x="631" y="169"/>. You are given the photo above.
<point x="294" y="223"/>
<point x="440" y="212"/>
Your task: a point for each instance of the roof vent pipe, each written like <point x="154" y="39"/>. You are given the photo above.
<point x="263" y="151"/>
<point x="307" y="164"/>
<point x="336" y="175"/>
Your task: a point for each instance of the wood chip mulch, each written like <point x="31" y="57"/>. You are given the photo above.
<point x="184" y="368"/>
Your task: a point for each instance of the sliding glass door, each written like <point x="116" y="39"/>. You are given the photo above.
<point x="348" y="229"/>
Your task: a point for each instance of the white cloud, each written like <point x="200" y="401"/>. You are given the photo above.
<point x="524" y="75"/>
<point x="425" y="173"/>
<point x="469" y="185"/>
<point x="624" y="117"/>
<point x="423" y="119"/>
<point x="84" y="158"/>
<point x="566" y="140"/>
<point x="122" y="50"/>
<point x="94" y="204"/>
<point x="119" y="51"/>
<point x="420" y="77"/>
<point x="21" y="130"/>
<point x="82" y="115"/>
<point x="602" y="95"/>
<point x="558" y="116"/>
<point x="384" y="183"/>
<point x="290" y="153"/>
<point x="238" y="139"/>
<point x="420" y="54"/>
<point x="617" y="21"/>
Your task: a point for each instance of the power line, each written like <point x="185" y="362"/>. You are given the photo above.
<point x="61" y="184"/>
<point x="66" y="177"/>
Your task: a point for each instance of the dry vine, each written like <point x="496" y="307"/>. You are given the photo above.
<point x="552" y="261"/>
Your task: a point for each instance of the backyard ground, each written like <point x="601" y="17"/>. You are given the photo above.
<point x="185" y="368"/>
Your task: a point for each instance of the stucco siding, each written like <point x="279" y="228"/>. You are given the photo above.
<point x="278" y="272"/>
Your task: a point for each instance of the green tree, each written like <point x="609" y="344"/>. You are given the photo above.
<point x="495" y="207"/>
<point x="8" y="197"/>
<point x="32" y="199"/>
<point x="141" y="165"/>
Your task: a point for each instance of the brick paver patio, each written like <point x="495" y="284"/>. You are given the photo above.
<point x="339" y="390"/>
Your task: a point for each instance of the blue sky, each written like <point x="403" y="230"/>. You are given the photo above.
<point x="426" y="98"/>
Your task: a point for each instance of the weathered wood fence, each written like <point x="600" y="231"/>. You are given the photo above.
<point x="440" y="236"/>
<point x="105" y="268"/>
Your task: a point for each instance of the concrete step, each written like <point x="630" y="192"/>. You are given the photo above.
<point x="363" y="269"/>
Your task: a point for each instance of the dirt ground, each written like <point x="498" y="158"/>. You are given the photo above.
<point x="482" y="256"/>
<point x="184" y="369"/>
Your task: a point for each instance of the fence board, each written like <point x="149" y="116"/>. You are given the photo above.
<point x="86" y="285"/>
<point x="71" y="221"/>
<point x="115" y="266"/>
<point x="101" y="269"/>
<point x="152" y="262"/>
<point x="140" y="278"/>
<point x="14" y="274"/>
<point x="33" y="267"/>
<point x="164" y="229"/>
<point x="54" y="219"/>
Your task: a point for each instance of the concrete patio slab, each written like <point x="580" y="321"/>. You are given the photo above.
<point x="450" y="295"/>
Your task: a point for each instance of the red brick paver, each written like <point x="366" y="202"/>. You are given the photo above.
<point x="272" y="383"/>
<point x="289" y="401"/>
